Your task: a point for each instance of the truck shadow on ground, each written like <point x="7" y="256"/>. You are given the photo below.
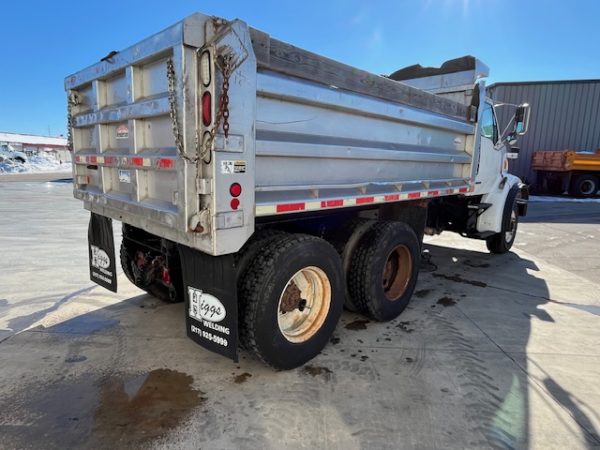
<point x="446" y="373"/>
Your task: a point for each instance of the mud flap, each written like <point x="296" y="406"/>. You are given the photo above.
<point x="210" y="301"/>
<point x="102" y="252"/>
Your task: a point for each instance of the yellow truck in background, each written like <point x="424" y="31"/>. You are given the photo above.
<point x="566" y="170"/>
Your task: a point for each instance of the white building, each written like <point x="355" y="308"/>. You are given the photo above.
<point x="32" y="144"/>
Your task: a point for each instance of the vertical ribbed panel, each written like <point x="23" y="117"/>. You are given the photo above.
<point x="564" y="114"/>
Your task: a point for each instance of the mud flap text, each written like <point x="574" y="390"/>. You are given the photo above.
<point x="102" y="252"/>
<point x="211" y="301"/>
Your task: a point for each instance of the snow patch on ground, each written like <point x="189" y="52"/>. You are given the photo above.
<point x="35" y="164"/>
<point x="535" y="198"/>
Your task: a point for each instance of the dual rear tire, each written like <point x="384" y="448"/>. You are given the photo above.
<point x="292" y="288"/>
<point x="384" y="269"/>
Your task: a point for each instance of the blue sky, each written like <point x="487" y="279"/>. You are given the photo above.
<point x="43" y="41"/>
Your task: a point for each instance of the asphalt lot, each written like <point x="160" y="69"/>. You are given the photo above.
<point x="494" y="351"/>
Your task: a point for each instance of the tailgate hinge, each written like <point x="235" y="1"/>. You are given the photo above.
<point x="203" y="186"/>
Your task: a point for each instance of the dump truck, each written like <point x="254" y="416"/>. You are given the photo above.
<point x="269" y="187"/>
<point x="577" y="173"/>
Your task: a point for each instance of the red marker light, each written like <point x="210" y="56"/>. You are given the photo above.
<point x="235" y="203"/>
<point x="235" y="189"/>
<point x="206" y="109"/>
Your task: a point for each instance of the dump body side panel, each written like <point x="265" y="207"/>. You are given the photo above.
<point x="317" y="144"/>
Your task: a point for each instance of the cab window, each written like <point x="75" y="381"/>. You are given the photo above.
<point x="489" y="128"/>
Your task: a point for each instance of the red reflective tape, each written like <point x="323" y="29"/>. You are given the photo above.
<point x="165" y="163"/>
<point x="464" y="189"/>
<point x="92" y="160"/>
<point x="392" y="197"/>
<point x="287" y="207"/>
<point x="414" y="195"/>
<point x="137" y="161"/>
<point x="78" y="159"/>
<point x="331" y="203"/>
<point x="433" y="193"/>
<point x="109" y="160"/>
<point x="361" y="200"/>
<point x="449" y="191"/>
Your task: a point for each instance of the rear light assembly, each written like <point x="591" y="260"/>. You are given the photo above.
<point x="206" y="109"/>
<point x="235" y="190"/>
<point x="205" y="72"/>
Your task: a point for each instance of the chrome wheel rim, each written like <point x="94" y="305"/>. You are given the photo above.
<point x="304" y="304"/>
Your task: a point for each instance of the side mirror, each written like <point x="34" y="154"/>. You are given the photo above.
<point x="521" y="119"/>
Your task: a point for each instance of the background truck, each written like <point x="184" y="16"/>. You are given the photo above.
<point x="567" y="170"/>
<point x="267" y="186"/>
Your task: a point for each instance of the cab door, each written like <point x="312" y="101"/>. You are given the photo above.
<point x="489" y="170"/>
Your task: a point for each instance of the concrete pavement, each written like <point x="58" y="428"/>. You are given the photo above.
<point x="493" y="352"/>
<point x="32" y="177"/>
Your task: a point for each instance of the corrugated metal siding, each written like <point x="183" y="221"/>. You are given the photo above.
<point x="564" y="114"/>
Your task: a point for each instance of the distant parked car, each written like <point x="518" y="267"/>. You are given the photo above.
<point x="7" y="153"/>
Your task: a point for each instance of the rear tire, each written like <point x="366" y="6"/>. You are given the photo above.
<point x="259" y="239"/>
<point x="155" y="289"/>
<point x="384" y="270"/>
<point x="126" y="261"/>
<point x="291" y="299"/>
<point x="345" y="239"/>
<point x="584" y="186"/>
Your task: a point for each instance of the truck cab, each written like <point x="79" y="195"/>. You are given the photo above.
<point x="487" y="211"/>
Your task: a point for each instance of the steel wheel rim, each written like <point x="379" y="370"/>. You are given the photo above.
<point x="508" y="235"/>
<point x="304" y="304"/>
<point x="397" y="272"/>
<point x="587" y="187"/>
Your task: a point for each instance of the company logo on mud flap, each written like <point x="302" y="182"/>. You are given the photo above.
<point x="204" y="306"/>
<point x="100" y="259"/>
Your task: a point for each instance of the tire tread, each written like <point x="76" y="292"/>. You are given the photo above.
<point x="251" y="289"/>
<point x="360" y="277"/>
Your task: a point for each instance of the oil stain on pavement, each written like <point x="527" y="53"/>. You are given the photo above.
<point x="358" y="324"/>
<point x="446" y="301"/>
<point x="86" y="412"/>
<point x="143" y="408"/>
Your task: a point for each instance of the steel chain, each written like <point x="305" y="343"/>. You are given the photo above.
<point x="223" y="110"/>
<point x="222" y="113"/>
<point x="173" y="111"/>
<point x="71" y="101"/>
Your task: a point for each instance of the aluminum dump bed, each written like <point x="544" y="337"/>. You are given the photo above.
<point x="163" y="130"/>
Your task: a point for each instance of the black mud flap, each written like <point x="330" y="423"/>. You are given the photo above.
<point x="102" y="252"/>
<point x="210" y="301"/>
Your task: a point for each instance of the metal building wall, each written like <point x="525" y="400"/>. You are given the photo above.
<point x="564" y="114"/>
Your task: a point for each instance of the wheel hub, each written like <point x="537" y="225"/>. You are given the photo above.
<point x="304" y="304"/>
<point x="396" y="273"/>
